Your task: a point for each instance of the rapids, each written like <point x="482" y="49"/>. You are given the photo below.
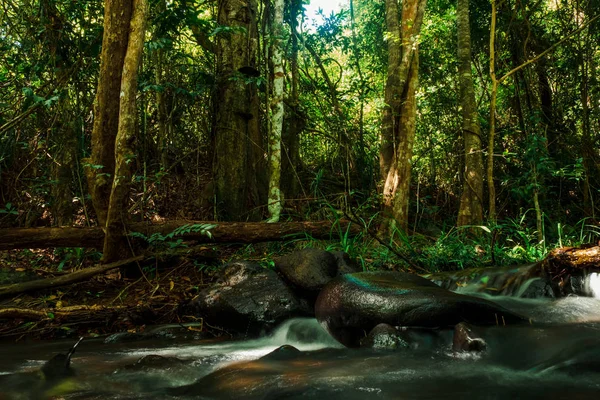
<point x="556" y="357"/>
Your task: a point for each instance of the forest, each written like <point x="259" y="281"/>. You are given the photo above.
<point x="413" y="135"/>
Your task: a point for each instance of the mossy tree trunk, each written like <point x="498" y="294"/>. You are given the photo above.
<point x="238" y="164"/>
<point x="101" y="165"/>
<point x="276" y="113"/>
<point x="115" y="245"/>
<point x="471" y="201"/>
<point x="399" y="118"/>
<point x="492" y="132"/>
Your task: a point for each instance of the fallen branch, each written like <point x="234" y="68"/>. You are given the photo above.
<point x="63" y="314"/>
<point x="63" y="280"/>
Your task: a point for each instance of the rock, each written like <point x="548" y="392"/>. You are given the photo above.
<point x="308" y="270"/>
<point x="255" y="302"/>
<point x="153" y="362"/>
<point x="384" y="336"/>
<point x="237" y="271"/>
<point x="345" y="265"/>
<point x="465" y="339"/>
<point x="353" y="304"/>
<point x="285" y="352"/>
<point x="538" y="288"/>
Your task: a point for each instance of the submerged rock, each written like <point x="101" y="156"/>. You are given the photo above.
<point x="285" y="352"/>
<point x="248" y="301"/>
<point x="466" y="339"/>
<point x="384" y="336"/>
<point x="153" y="362"/>
<point x="354" y="304"/>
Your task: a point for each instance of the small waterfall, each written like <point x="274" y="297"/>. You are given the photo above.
<point x="592" y="285"/>
<point x="303" y="333"/>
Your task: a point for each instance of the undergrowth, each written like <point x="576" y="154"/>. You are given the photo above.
<point x="508" y="242"/>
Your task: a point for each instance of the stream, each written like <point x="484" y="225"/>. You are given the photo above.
<point x="556" y="358"/>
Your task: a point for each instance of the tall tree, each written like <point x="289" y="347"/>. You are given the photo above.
<point x="238" y="165"/>
<point x="114" y="244"/>
<point x="399" y="117"/>
<point x="101" y="165"/>
<point x="294" y="121"/>
<point x="471" y="202"/>
<point x="276" y="114"/>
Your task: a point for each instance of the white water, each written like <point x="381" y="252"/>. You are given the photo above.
<point x="305" y="334"/>
<point x="592" y="284"/>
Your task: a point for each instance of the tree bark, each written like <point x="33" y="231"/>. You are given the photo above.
<point x="224" y="232"/>
<point x="115" y="246"/>
<point x="471" y="202"/>
<point x="276" y="114"/>
<point x="399" y="118"/>
<point x="101" y="164"/>
<point x="492" y="133"/>
<point x="294" y="121"/>
<point x="238" y="168"/>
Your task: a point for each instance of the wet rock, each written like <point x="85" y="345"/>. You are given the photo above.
<point x="354" y="304"/>
<point x="285" y="352"/>
<point x="384" y="336"/>
<point x="251" y="305"/>
<point x="236" y="272"/>
<point x="345" y="265"/>
<point x="466" y="339"/>
<point x="538" y="288"/>
<point x="154" y="362"/>
<point x="308" y="270"/>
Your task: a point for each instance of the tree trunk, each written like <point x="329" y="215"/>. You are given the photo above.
<point x="223" y="232"/>
<point x="237" y="167"/>
<point x="115" y="245"/>
<point x="276" y="114"/>
<point x="587" y="144"/>
<point x="471" y="202"/>
<point x="101" y="164"/>
<point x="294" y="121"/>
<point x="63" y="136"/>
<point x="492" y="133"/>
<point x="398" y="124"/>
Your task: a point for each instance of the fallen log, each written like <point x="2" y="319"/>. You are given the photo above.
<point x="223" y="232"/>
<point x="63" y="280"/>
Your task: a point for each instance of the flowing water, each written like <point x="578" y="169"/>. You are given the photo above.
<point x="557" y="357"/>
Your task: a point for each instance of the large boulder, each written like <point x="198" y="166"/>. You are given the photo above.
<point x="248" y="299"/>
<point x="352" y="305"/>
<point x="309" y="270"/>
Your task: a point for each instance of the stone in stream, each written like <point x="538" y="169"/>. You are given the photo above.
<point x="285" y="352"/>
<point x="248" y="299"/>
<point x="154" y="362"/>
<point x="386" y="337"/>
<point x="309" y="270"/>
<point x="352" y="305"/>
<point x="264" y="378"/>
<point x="466" y="339"/>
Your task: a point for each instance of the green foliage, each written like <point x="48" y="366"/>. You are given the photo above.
<point x="9" y="209"/>
<point x="170" y="241"/>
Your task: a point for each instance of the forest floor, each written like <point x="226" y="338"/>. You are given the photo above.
<point x="150" y="294"/>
